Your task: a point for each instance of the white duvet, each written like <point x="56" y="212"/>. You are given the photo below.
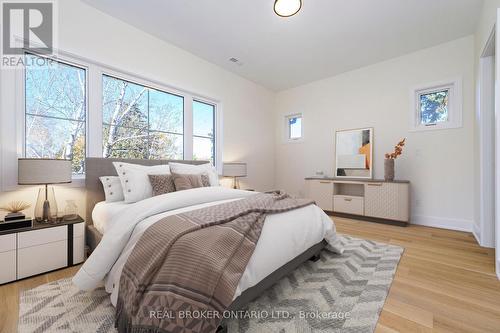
<point x="284" y="236"/>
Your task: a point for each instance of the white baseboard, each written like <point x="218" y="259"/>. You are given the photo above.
<point x="443" y="222"/>
<point x="476" y="232"/>
<point x="498" y="269"/>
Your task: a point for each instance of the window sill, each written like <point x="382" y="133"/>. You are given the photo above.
<point x="78" y="181"/>
<point x="435" y="127"/>
<point x="75" y="183"/>
<point x="301" y="140"/>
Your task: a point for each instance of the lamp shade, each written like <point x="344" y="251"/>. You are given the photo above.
<point x="35" y="171"/>
<point x="234" y="169"/>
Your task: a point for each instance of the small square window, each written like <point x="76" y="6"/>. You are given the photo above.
<point x="434" y="107"/>
<point x="294" y="127"/>
<point x="437" y="106"/>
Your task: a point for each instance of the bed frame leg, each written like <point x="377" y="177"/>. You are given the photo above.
<point x="221" y="329"/>
<point x="315" y="257"/>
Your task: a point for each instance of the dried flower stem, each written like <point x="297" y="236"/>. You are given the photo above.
<point x="398" y="150"/>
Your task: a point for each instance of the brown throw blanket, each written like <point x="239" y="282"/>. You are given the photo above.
<point x="183" y="272"/>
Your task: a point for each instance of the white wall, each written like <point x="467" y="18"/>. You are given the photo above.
<point x="439" y="163"/>
<point x="248" y="130"/>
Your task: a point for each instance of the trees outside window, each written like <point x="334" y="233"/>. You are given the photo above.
<point x="141" y="122"/>
<point x="437" y="106"/>
<point x="434" y="107"/>
<point x="55" y="111"/>
<point x="203" y="131"/>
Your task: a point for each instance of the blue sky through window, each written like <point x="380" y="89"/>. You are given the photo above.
<point x="295" y="127"/>
<point x="203" y="131"/>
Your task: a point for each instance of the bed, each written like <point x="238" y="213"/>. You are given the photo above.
<point x="292" y="237"/>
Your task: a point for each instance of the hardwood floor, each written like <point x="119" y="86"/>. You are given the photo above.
<point x="445" y="282"/>
<point x="9" y="296"/>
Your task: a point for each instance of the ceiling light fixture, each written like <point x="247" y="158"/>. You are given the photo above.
<point x="287" y="8"/>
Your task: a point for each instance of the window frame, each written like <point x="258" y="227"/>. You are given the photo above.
<point x="160" y="89"/>
<point x="94" y="115"/>
<point x="288" y="137"/>
<point x="214" y="124"/>
<point x="454" y="86"/>
<point x="23" y="103"/>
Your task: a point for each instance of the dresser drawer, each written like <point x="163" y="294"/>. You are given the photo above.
<point x="8" y="266"/>
<point x="348" y="204"/>
<point x="387" y="201"/>
<point x="321" y="191"/>
<point x="41" y="258"/>
<point x="42" y="236"/>
<point x="7" y="242"/>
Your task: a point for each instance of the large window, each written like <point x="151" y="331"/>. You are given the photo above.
<point x="75" y="108"/>
<point x="203" y="131"/>
<point x="55" y="111"/>
<point x="141" y="122"/>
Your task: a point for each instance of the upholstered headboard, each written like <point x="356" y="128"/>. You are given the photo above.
<point x="97" y="167"/>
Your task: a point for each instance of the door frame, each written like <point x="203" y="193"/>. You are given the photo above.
<point x="497" y="143"/>
<point x="485" y="232"/>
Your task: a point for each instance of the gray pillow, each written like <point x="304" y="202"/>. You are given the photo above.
<point x="186" y="182"/>
<point x="162" y="184"/>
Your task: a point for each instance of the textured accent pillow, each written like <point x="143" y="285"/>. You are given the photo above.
<point x="135" y="181"/>
<point x="162" y="184"/>
<point x="205" y="179"/>
<point x="113" y="190"/>
<point x="186" y="182"/>
<point x="190" y="169"/>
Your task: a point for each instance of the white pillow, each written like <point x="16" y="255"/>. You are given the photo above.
<point x="135" y="181"/>
<point x="191" y="169"/>
<point x="113" y="190"/>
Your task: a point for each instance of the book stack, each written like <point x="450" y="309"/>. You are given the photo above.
<point x="16" y="224"/>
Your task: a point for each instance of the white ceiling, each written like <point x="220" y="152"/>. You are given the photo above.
<point x="325" y="38"/>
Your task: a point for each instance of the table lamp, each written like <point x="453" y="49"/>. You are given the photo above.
<point x="234" y="170"/>
<point x="33" y="171"/>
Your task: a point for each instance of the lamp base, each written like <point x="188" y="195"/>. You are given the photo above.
<point x="236" y="184"/>
<point x="46" y="206"/>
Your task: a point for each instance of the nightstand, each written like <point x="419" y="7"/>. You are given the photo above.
<point x="41" y="248"/>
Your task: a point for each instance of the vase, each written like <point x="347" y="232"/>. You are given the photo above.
<point x="389" y="169"/>
<point x="70" y="211"/>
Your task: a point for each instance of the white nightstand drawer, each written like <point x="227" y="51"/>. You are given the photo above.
<point x="8" y="266"/>
<point x="79" y="229"/>
<point x="348" y="204"/>
<point x="42" y="258"/>
<point x="7" y="242"/>
<point x="78" y="250"/>
<point x="42" y="236"/>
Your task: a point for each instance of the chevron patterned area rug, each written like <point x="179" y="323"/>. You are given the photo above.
<point x="338" y="293"/>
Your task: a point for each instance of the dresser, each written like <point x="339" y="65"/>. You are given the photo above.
<point x="374" y="200"/>
<point x="41" y="248"/>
